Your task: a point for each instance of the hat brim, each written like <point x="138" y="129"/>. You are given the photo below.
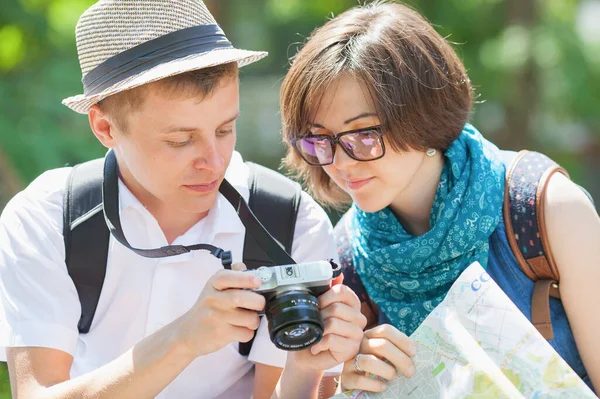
<point x="82" y="103"/>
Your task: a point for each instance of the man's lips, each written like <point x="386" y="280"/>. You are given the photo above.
<point x="203" y="188"/>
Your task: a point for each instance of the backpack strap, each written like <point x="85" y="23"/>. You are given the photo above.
<point x="525" y="192"/>
<point x="86" y="237"/>
<point x="274" y="200"/>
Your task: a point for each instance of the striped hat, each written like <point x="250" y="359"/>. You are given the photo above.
<point x="127" y="43"/>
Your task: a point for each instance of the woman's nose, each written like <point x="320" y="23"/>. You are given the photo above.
<point x="341" y="160"/>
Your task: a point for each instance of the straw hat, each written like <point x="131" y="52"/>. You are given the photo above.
<point x="127" y="43"/>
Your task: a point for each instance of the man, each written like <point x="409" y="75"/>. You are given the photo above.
<point x="161" y="91"/>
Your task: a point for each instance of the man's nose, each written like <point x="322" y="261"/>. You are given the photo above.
<point x="209" y="157"/>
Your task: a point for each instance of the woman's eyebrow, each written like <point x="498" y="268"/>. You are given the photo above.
<point x="360" y="116"/>
<point x="346" y="122"/>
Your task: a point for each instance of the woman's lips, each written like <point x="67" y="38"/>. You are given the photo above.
<point x="356" y="184"/>
<point x="203" y="188"/>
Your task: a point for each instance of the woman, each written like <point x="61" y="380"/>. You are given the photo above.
<point x="375" y="112"/>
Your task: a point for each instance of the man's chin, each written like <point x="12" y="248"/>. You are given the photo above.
<point x="200" y="205"/>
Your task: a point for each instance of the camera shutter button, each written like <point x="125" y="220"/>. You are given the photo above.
<point x="264" y="273"/>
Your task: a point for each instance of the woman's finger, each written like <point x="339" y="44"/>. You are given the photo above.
<point x="352" y="380"/>
<point x="374" y="365"/>
<point x="383" y="348"/>
<point x="395" y="336"/>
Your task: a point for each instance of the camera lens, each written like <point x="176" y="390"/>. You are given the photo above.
<point x="295" y="321"/>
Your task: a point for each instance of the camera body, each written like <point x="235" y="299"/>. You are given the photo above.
<point x="292" y="308"/>
<point x="314" y="276"/>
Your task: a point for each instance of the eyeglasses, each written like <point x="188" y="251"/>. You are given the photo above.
<point x="361" y="144"/>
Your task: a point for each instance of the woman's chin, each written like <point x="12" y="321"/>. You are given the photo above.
<point x="369" y="205"/>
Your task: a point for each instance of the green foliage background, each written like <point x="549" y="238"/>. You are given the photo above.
<point x="535" y="63"/>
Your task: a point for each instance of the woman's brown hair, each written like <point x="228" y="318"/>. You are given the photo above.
<point x="422" y="94"/>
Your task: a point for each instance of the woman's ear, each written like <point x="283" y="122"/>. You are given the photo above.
<point x="102" y="126"/>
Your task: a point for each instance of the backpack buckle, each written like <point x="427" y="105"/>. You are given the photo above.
<point x="226" y="259"/>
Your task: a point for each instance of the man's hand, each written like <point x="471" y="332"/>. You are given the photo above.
<point x="225" y="312"/>
<point x="379" y="343"/>
<point x="342" y="337"/>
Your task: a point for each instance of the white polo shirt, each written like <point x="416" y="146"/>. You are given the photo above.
<point x="39" y="305"/>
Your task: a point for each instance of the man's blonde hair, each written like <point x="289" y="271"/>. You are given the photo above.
<point x="198" y="83"/>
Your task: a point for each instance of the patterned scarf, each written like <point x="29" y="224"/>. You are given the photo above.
<point x="408" y="276"/>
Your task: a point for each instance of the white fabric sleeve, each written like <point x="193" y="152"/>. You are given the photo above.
<point x="39" y="305"/>
<point x="313" y="240"/>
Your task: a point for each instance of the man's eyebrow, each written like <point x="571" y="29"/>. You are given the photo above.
<point x="360" y="116"/>
<point x="175" y="128"/>
<point x="237" y="115"/>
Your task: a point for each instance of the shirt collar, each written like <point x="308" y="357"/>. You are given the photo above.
<point x="222" y="217"/>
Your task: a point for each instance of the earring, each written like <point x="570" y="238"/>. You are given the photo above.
<point x="431" y="152"/>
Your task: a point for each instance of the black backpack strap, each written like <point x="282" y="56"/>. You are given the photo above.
<point x="274" y="200"/>
<point x="86" y="236"/>
<point x="526" y="183"/>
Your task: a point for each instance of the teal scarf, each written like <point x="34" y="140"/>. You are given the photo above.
<point x="408" y="276"/>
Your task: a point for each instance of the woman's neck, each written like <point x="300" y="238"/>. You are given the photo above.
<point x="413" y="205"/>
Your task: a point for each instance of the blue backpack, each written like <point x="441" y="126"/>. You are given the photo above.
<point x="525" y="191"/>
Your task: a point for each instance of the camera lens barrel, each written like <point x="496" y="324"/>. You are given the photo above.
<point x="295" y="321"/>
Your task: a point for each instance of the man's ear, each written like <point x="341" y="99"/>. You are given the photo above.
<point x="102" y="126"/>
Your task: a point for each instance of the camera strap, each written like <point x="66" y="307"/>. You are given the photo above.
<point x="110" y="198"/>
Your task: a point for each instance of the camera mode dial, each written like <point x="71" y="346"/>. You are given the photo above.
<point x="264" y="273"/>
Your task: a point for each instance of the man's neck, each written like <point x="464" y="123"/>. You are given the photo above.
<point x="174" y="225"/>
<point x="172" y="222"/>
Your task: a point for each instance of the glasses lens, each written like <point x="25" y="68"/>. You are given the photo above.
<point x="364" y="145"/>
<point x="315" y="150"/>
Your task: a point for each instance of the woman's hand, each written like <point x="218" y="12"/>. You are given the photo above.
<point x="379" y="343"/>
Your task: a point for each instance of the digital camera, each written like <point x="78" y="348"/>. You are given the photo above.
<point x="292" y="308"/>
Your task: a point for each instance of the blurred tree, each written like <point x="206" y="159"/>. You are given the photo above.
<point x="535" y="65"/>
<point x="9" y="183"/>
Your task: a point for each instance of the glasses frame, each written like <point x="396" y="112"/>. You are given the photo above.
<point x="335" y="141"/>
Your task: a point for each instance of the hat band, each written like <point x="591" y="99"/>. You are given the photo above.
<point x="178" y="44"/>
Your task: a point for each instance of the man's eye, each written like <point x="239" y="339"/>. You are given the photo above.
<point x="178" y="143"/>
<point x="224" y="132"/>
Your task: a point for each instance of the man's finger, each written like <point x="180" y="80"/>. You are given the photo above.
<point x="337" y="346"/>
<point x="235" y="298"/>
<point x="339" y="293"/>
<point x="342" y="311"/>
<point x="242" y="318"/>
<point x="343" y="328"/>
<point x="240" y="334"/>
<point x="239" y="267"/>
<point x="226" y="279"/>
